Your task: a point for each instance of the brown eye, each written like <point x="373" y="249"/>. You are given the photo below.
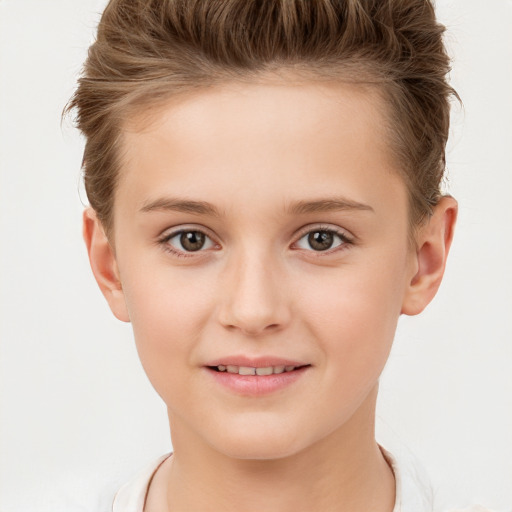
<point x="192" y="240"/>
<point x="188" y="241"/>
<point x="321" y="240"/>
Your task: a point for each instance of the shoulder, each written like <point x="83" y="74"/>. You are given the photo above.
<point x="132" y="496"/>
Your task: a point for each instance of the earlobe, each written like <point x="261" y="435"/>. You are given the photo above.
<point x="104" y="264"/>
<point x="433" y="244"/>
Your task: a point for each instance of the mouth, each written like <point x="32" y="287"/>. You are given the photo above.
<point x="260" y="370"/>
<point x="252" y="378"/>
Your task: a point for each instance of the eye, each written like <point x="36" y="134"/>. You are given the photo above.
<point x="188" y="241"/>
<point x="321" y="240"/>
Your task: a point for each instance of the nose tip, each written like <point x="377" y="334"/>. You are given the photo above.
<point x="253" y="313"/>
<point x="252" y="301"/>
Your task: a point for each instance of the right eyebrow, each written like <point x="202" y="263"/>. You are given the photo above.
<point x="180" y="205"/>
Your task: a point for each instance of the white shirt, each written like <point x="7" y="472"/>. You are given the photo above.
<point x="413" y="490"/>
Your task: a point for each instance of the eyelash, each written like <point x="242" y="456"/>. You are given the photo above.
<point x="346" y="241"/>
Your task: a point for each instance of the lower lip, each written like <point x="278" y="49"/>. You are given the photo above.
<point x="257" y="385"/>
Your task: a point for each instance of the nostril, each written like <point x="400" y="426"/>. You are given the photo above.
<point x="255" y="331"/>
<point x="252" y="307"/>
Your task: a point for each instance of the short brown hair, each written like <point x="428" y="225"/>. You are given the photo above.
<point x="149" y="50"/>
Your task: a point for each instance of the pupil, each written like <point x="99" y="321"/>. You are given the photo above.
<point x="320" y="240"/>
<point x="192" y="240"/>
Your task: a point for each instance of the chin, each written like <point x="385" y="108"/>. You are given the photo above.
<point x="268" y="442"/>
<point x="261" y="450"/>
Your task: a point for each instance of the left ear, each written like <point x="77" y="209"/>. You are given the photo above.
<point x="433" y="242"/>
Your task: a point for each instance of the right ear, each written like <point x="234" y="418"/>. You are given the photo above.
<point x="103" y="264"/>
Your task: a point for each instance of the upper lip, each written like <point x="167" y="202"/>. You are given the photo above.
<point x="254" y="362"/>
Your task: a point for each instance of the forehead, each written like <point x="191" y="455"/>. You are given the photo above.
<point x="271" y="138"/>
<point x="252" y="111"/>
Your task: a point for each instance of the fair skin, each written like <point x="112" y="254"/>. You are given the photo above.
<point x="259" y="169"/>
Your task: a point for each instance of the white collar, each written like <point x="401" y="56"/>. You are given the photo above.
<point x="413" y="489"/>
<point x="132" y="496"/>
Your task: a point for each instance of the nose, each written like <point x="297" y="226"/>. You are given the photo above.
<point x="253" y="296"/>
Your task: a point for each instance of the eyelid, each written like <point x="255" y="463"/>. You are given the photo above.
<point x="325" y="227"/>
<point x="169" y="232"/>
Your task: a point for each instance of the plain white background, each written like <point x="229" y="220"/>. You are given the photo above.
<point x="78" y="416"/>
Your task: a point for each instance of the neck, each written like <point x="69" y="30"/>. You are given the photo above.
<point x="343" y="472"/>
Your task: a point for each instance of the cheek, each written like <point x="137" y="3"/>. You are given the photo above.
<point x="354" y="316"/>
<point x="168" y="311"/>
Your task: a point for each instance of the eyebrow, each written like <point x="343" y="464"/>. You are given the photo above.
<point x="327" y="205"/>
<point x="295" y="208"/>
<point x="181" y="205"/>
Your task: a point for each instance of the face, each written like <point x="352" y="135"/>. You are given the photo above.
<point x="259" y="227"/>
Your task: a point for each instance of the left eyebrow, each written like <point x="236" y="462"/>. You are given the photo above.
<point x="327" y="205"/>
<point x="180" y="205"/>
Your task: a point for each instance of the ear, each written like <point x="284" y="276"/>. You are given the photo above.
<point x="433" y="242"/>
<point x="104" y="264"/>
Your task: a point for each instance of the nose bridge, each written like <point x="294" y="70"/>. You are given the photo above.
<point x="253" y="300"/>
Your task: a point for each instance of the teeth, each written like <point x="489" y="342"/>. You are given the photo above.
<point x="249" y="370"/>
<point x="265" y="371"/>
<point x="246" y="370"/>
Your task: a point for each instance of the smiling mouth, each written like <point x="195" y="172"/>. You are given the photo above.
<point x="250" y="370"/>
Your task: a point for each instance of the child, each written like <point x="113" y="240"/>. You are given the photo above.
<point x="264" y="187"/>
